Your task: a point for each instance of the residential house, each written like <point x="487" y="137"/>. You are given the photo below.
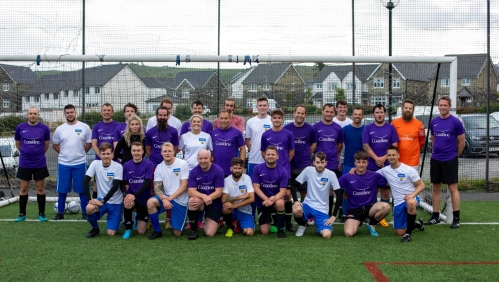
<point x="278" y="81"/>
<point x="236" y="88"/>
<point x="15" y="80"/>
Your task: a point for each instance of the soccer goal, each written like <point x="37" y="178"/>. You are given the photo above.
<point x="50" y="82"/>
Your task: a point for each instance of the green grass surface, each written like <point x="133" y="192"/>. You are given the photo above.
<point x="55" y="251"/>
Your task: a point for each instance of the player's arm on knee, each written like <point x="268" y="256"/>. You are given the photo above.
<point x="180" y="190"/>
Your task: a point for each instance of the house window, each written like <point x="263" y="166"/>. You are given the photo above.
<point x="252" y="87"/>
<point x="75" y="93"/>
<point x="318" y="85"/>
<point x="6" y="87"/>
<point x="6" y="103"/>
<point x="379" y="83"/>
<point x="445" y="82"/>
<point x="26" y="99"/>
<point x="266" y="87"/>
<point x="185" y="93"/>
<point x="66" y="93"/>
<point x="56" y="96"/>
<point x="37" y="99"/>
<point x="97" y="90"/>
<point x="465" y="81"/>
<point x="332" y="86"/>
<point x="174" y="93"/>
<point x="87" y="90"/>
<point x="350" y="86"/>
<point x="46" y="96"/>
<point x="396" y="83"/>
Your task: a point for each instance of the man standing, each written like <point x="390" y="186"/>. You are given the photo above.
<point x="235" y="121"/>
<point x="282" y="139"/>
<point x="137" y="177"/>
<point x="444" y="165"/>
<point x="237" y="196"/>
<point x="197" y="109"/>
<point x="206" y="182"/>
<point x="330" y="142"/>
<point x="158" y="135"/>
<point x="305" y="138"/>
<point x="270" y="182"/>
<point x="172" y="121"/>
<point x="411" y="135"/>
<point x="32" y="141"/>
<point x="406" y="185"/>
<point x="71" y="141"/>
<point x="108" y="175"/>
<point x="170" y="192"/>
<point x="128" y="110"/>
<point x="342" y="119"/>
<point x="319" y="181"/>
<point x="353" y="143"/>
<point x="362" y="187"/>
<point x="227" y="142"/>
<point x="376" y="138"/>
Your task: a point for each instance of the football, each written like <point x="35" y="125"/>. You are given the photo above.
<point x="74" y="207"/>
<point x="56" y="205"/>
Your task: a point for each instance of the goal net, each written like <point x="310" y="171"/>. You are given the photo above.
<point x="87" y="81"/>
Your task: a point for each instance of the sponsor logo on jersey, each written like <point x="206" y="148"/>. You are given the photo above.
<point x="78" y="131"/>
<point x="110" y="175"/>
<point x="379" y="139"/>
<point x="298" y="140"/>
<point x="406" y="138"/>
<point x="361" y="192"/>
<point x="401" y="176"/>
<point x="176" y="171"/>
<point x="109" y="136"/>
<point x="31" y="141"/>
<point x="242" y="188"/>
<point x="266" y="127"/>
<point x="202" y="140"/>
<point x="442" y="133"/>
<point x="324" y="180"/>
<point x="329" y="138"/>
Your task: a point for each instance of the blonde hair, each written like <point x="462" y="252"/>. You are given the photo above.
<point x="127" y="135"/>
<point x="196" y="116"/>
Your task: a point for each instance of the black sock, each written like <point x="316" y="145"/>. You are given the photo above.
<point x="373" y="221"/>
<point x="23" y="201"/>
<point x="228" y="220"/>
<point x="128" y="215"/>
<point x="411" y="218"/>
<point x="193" y="219"/>
<point x="41" y="199"/>
<point x="331" y="203"/>
<point x="281" y="219"/>
<point x="436" y="215"/>
<point x="94" y="195"/>
<point x="274" y="219"/>
<point x="300" y="221"/>
<point x="288" y="207"/>
<point x="455" y="215"/>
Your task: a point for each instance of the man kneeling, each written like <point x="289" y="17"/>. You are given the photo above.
<point x="108" y="176"/>
<point x="361" y="188"/>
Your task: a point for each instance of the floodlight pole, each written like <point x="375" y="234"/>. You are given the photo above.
<point x="390" y="7"/>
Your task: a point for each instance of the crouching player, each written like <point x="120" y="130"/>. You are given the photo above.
<point x="237" y="196"/>
<point x="108" y="176"/>
<point x="170" y="189"/>
<point x="361" y="187"/>
<point x="406" y="186"/>
<point x="137" y="175"/>
<point x="320" y="185"/>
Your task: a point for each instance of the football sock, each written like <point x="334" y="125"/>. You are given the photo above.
<point x="128" y="216"/>
<point x="281" y="219"/>
<point x="411" y="218"/>
<point x="94" y="195"/>
<point x="300" y="221"/>
<point x="373" y="221"/>
<point x="61" y="202"/>
<point x="83" y="202"/>
<point x="193" y="219"/>
<point x="23" y="201"/>
<point x="344" y="206"/>
<point x="435" y="215"/>
<point x="455" y="215"/>
<point x="154" y="218"/>
<point x="92" y="218"/>
<point x="274" y="219"/>
<point x="288" y="207"/>
<point x="228" y="220"/>
<point x="41" y="199"/>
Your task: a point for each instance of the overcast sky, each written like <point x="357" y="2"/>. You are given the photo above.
<point x="277" y="27"/>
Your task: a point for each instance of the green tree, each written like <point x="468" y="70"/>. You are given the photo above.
<point x="340" y="94"/>
<point x="318" y="66"/>
<point x="308" y="94"/>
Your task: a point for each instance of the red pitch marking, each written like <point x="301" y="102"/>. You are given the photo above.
<point x="378" y="275"/>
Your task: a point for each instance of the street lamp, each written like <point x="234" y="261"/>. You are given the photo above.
<point x="390" y="5"/>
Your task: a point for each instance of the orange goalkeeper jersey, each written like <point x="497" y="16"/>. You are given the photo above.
<point x="411" y="140"/>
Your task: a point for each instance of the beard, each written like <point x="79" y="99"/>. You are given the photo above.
<point x="162" y="123"/>
<point x="70" y="120"/>
<point x="407" y="116"/>
<point x="237" y="174"/>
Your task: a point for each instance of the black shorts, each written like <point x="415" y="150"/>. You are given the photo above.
<point x="212" y="213"/>
<point x="359" y="213"/>
<point x="302" y="188"/>
<point x="32" y="173"/>
<point x="142" y="213"/>
<point x="446" y="172"/>
<point x="265" y="214"/>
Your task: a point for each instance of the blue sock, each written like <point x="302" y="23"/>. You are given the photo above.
<point x="200" y="216"/>
<point x="154" y="218"/>
<point x="344" y="206"/>
<point x="61" y="203"/>
<point x="92" y="218"/>
<point x="83" y="202"/>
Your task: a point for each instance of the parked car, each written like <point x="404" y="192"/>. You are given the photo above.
<point x="206" y="111"/>
<point x="10" y="156"/>
<point x="475" y="126"/>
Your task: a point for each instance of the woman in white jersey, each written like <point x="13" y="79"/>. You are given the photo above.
<point x="195" y="140"/>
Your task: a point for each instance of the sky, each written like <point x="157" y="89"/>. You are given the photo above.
<point x="278" y="27"/>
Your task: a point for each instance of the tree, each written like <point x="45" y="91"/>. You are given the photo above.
<point x="308" y="94"/>
<point x="340" y="94"/>
<point x="318" y="66"/>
